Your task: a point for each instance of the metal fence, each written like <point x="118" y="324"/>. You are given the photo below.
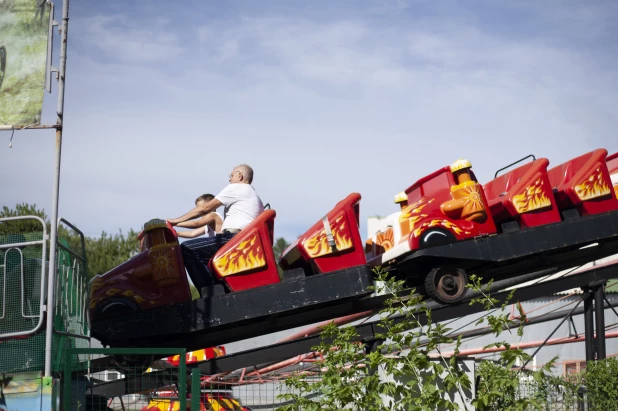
<point x="162" y="379"/>
<point x="138" y="379"/>
<point x="22" y="293"/>
<point x="24" y="265"/>
<point x="127" y="379"/>
<point x="71" y="295"/>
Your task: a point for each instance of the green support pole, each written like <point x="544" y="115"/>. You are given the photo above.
<point x="66" y="395"/>
<point x="182" y="380"/>
<point x="196" y="389"/>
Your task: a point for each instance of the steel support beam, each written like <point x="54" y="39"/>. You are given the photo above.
<point x="599" y="319"/>
<point x="589" y="327"/>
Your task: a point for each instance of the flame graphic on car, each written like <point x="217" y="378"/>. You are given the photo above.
<point x="386" y="239"/>
<point x="248" y="255"/>
<point x="444" y="223"/>
<point x="533" y="198"/>
<point x="595" y="186"/>
<point x="317" y="245"/>
<point x="410" y="216"/>
<point x="616" y="190"/>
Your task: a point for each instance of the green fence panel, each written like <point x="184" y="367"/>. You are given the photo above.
<point x="125" y="379"/>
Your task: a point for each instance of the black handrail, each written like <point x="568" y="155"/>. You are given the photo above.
<point x="512" y="164"/>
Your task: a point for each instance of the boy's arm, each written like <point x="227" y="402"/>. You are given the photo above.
<point x="208" y="219"/>
<point x="192" y="233"/>
<point x="197" y="211"/>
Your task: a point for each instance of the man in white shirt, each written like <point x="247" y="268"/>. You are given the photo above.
<point x="242" y="206"/>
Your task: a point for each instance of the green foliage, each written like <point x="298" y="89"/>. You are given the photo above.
<point x="408" y="370"/>
<point x="195" y="294"/>
<point x="279" y="247"/>
<point x="601" y="381"/>
<point x="108" y="251"/>
<point x="22" y="226"/>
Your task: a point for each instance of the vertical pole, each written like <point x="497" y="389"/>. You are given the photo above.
<point x="599" y="317"/>
<point x="51" y="276"/>
<point x="196" y="391"/>
<point x="588" y="325"/>
<point x="66" y="394"/>
<point x="182" y="380"/>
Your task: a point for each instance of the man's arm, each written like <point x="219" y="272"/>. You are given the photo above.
<point x="208" y="219"/>
<point x="197" y="211"/>
<point x="192" y="233"/>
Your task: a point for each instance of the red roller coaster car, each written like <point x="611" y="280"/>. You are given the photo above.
<point x="448" y="225"/>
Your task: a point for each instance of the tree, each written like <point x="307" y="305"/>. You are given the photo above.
<point x="102" y="253"/>
<point x="22" y="226"/>
<point x="107" y="251"/>
<point x="279" y="247"/>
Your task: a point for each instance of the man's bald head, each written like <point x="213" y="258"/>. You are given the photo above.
<point x="246" y="171"/>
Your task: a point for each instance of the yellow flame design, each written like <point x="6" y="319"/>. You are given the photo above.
<point x="533" y="198"/>
<point x="112" y="292"/>
<point x="594" y="187"/>
<point x="444" y="223"/>
<point x="317" y="245"/>
<point x="248" y="255"/>
<point x="616" y="190"/>
<point x="386" y="239"/>
<point x="96" y="284"/>
<point x="414" y="208"/>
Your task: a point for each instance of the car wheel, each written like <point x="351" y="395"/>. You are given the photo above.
<point x="446" y="285"/>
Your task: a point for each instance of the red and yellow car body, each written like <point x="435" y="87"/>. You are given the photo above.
<point x="152" y="278"/>
<point x="216" y="400"/>
<point x="156" y="276"/>
<point x="451" y="205"/>
<point x="612" y="167"/>
<point x="447" y="206"/>
<point x="331" y="244"/>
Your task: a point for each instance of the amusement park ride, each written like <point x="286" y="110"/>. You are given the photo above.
<point x="448" y="225"/>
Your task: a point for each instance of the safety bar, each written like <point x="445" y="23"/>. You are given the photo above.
<point x="43" y="242"/>
<point x="512" y="164"/>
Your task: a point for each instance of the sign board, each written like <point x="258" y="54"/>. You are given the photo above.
<point x="24" y="28"/>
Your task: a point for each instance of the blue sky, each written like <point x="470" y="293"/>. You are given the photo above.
<point x="322" y="98"/>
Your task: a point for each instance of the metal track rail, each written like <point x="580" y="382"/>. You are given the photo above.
<point x="367" y="332"/>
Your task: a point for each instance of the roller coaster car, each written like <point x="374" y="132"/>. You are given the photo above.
<point x="248" y="280"/>
<point x="156" y="276"/>
<point x="331" y="244"/>
<point x="449" y="223"/>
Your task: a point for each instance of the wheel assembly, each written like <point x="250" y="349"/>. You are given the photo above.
<point x="131" y="364"/>
<point x="446" y="284"/>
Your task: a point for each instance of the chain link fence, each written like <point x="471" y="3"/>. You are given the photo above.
<point x="23" y="267"/>
<point x="127" y="379"/>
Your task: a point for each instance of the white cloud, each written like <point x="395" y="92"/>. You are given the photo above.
<point x="319" y="107"/>
<point x="121" y="39"/>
